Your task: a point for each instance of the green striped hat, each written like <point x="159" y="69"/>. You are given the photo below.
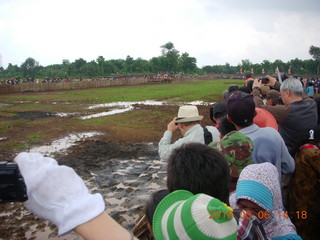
<point x="183" y="215"/>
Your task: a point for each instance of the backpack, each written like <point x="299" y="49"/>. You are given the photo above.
<point x="207" y="136"/>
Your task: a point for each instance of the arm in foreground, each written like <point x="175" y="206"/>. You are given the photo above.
<point x="56" y="193"/>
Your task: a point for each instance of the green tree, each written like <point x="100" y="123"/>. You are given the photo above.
<point x="171" y="56"/>
<point x="28" y="68"/>
<point x="246" y="65"/>
<point x="315" y="53"/>
<point x="187" y="64"/>
<point x="129" y="62"/>
<point x="101" y="64"/>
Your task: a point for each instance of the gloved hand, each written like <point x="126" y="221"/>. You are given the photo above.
<point x="57" y="193"/>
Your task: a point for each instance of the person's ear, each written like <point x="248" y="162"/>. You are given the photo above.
<point x="229" y="118"/>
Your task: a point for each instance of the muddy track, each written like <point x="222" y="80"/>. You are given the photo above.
<point x="123" y="166"/>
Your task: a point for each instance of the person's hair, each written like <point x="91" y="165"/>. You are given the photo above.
<point x="226" y="126"/>
<point x="153" y="202"/>
<point x="199" y="169"/>
<point x="245" y="89"/>
<point x="293" y="85"/>
<point x="232" y="88"/>
<point x="248" y="75"/>
<point x="190" y="123"/>
<point x="249" y="85"/>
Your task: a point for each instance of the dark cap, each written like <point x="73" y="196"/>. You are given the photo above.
<point x="218" y="110"/>
<point x="273" y="94"/>
<point x="240" y="108"/>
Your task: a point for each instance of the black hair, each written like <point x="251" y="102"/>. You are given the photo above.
<point x="191" y="123"/>
<point x="245" y="89"/>
<point x="154" y="199"/>
<point x="249" y="85"/>
<point x="198" y="168"/>
<point x="233" y="88"/>
<point x="226" y="126"/>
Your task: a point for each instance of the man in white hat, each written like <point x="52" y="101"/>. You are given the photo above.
<point x="188" y="122"/>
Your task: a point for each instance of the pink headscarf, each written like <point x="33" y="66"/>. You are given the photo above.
<point x="266" y="174"/>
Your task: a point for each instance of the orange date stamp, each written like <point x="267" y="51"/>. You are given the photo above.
<point x="260" y="215"/>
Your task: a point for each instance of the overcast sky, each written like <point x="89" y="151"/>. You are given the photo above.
<point x="212" y="31"/>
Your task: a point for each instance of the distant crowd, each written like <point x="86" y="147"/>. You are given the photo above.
<point x="160" y="76"/>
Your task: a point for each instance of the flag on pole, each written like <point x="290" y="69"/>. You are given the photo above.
<point x="251" y="70"/>
<point x="240" y="70"/>
<point x="279" y="76"/>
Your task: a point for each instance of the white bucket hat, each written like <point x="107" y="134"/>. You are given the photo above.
<point x="188" y="114"/>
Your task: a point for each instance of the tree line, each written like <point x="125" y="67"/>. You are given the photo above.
<point x="170" y="60"/>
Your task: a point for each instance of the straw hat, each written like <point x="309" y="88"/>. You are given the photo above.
<point x="188" y="114"/>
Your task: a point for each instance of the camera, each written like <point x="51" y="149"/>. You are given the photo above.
<point x="12" y="186"/>
<point x="264" y="80"/>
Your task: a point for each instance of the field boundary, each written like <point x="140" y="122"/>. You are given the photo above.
<point x="87" y="84"/>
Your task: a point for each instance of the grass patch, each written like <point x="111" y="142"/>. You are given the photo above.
<point x="35" y="137"/>
<point x="180" y="91"/>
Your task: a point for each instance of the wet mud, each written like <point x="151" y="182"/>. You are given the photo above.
<point x="124" y="171"/>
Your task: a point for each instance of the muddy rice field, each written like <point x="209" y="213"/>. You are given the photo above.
<point x="121" y="163"/>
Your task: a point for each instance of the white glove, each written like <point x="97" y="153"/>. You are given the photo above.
<point x="57" y="193"/>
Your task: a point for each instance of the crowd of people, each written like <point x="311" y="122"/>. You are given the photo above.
<point x="253" y="174"/>
<point x="161" y="76"/>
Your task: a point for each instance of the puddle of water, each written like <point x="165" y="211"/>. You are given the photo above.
<point x="65" y="114"/>
<point x="63" y="144"/>
<point x="102" y="114"/>
<point x="121" y="107"/>
<point x="126" y="104"/>
<point x="5" y="105"/>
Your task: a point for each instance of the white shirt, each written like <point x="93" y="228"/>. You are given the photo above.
<point x="194" y="134"/>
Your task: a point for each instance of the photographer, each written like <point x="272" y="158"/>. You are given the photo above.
<point x="58" y="194"/>
<point x="298" y="113"/>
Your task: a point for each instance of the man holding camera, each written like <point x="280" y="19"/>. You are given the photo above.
<point x="298" y="113"/>
<point x="188" y="122"/>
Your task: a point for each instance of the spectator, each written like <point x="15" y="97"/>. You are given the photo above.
<point x="317" y="100"/>
<point x="296" y="115"/>
<point x="241" y="110"/>
<point x="268" y="151"/>
<point x="188" y="122"/>
<point x="264" y="118"/>
<point x="198" y="168"/>
<point x="310" y="90"/>
<point x="305" y="186"/>
<point x="273" y="98"/>
<point x="183" y="215"/>
<point x="249" y="78"/>
<point x="237" y="149"/>
<point x="225" y="127"/>
<point x="233" y="88"/>
<point x="218" y="111"/>
<point x="143" y="229"/>
<point x="258" y="192"/>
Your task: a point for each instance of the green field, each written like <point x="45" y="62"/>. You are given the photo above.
<point x="142" y="124"/>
